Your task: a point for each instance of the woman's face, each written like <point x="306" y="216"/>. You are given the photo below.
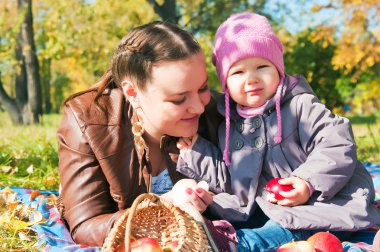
<point x="174" y="97"/>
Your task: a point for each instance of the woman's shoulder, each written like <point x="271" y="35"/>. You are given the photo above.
<point x="108" y="109"/>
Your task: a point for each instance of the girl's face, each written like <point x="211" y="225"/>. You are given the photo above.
<point x="174" y="98"/>
<point x="252" y="81"/>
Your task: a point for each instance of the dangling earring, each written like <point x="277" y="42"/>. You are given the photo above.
<point x="138" y="131"/>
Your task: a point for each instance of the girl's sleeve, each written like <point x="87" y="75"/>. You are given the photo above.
<point x="88" y="206"/>
<point x="205" y="162"/>
<point x="328" y="142"/>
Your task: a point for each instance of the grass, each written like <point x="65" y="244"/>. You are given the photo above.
<point x="28" y="154"/>
<point x="28" y="158"/>
<point x="367" y="136"/>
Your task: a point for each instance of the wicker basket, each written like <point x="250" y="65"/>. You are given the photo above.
<point x="151" y="216"/>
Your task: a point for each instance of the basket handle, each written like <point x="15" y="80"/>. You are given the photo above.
<point x="153" y="198"/>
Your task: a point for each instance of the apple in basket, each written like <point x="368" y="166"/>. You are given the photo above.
<point x="171" y="246"/>
<point x="296" y="246"/>
<point x="145" y="244"/>
<point x="273" y="188"/>
<point x="325" y="242"/>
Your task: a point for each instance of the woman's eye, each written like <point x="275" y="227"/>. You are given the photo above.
<point x="179" y="102"/>
<point x="203" y="89"/>
<point x="236" y="72"/>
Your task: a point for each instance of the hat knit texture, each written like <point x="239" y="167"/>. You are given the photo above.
<point x="241" y="36"/>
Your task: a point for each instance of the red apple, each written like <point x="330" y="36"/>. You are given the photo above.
<point x="325" y="242"/>
<point x="145" y="244"/>
<point x="273" y="187"/>
<point x="376" y="242"/>
<point x="297" y="246"/>
<point x="171" y="246"/>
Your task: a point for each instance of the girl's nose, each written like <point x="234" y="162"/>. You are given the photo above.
<point x="251" y="78"/>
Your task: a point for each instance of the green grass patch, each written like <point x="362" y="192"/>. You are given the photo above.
<point x="367" y="136"/>
<point x="28" y="154"/>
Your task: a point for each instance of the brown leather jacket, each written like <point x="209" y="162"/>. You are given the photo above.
<point x="100" y="170"/>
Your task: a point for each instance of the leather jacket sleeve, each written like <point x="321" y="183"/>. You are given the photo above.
<point x="89" y="208"/>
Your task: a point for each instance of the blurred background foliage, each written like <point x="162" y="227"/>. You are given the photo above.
<point x="335" y="45"/>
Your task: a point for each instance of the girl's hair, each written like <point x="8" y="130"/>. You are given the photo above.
<point x="141" y="49"/>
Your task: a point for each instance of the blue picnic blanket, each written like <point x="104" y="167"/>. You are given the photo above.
<point x="54" y="236"/>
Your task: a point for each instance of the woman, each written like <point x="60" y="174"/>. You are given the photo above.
<point x="117" y="140"/>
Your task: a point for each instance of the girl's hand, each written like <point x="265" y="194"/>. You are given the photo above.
<point x="189" y="191"/>
<point x="186" y="143"/>
<point x="199" y="198"/>
<point x="298" y="196"/>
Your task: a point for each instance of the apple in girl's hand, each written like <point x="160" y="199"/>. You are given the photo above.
<point x="376" y="242"/>
<point x="325" y="242"/>
<point x="273" y="188"/>
<point x="146" y="244"/>
<point x="297" y="246"/>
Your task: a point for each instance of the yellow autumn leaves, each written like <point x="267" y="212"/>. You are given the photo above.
<point x="17" y="219"/>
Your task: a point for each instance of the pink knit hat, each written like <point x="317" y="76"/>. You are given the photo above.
<point x="241" y="36"/>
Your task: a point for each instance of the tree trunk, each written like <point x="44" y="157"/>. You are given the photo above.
<point x="21" y="84"/>
<point x="31" y="61"/>
<point x="10" y="105"/>
<point x="166" y="11"/>
<point x="46" y="78"/>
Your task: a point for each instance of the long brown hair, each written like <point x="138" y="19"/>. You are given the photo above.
<point x="142" y="48"/>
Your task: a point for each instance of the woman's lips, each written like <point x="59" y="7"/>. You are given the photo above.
<point x="190" y="119"/>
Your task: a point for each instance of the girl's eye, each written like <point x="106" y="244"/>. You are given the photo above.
<point x="203" y="89"/>
<point x="262" y="66"/>
<point x="179" y="102"/>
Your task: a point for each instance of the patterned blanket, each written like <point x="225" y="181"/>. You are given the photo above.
<point x="54" y="236"/>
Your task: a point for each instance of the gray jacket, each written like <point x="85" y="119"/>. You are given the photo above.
<point x="316" y="146"/>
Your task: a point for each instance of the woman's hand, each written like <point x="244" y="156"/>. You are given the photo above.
<point x="298" y="196"/>
<point x="186" y="143"/>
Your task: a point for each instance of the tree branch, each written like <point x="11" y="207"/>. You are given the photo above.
<point x="156" y="7"/>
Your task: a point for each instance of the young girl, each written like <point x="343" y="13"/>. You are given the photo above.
<point x="275" y="126"/>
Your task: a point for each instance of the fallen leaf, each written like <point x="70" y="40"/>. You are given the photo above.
<point x="30" y="169"/>
<point x="52" y="200"/>
<point x="37" y="217"/>
<point x="34" y="194"/>
<point x="7" y="190"/>
<point x="18" y="224"/>
<point x="7" y="195"/>
<point x="23" y="236"/>
<point x="12" y="205"/>
<point x="50" y="180"/>
<point x="7" y="169"/>
<point x="23" y="212"/>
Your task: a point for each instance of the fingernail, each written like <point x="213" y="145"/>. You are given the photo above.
<point x="198" y="190"/>
<point x="189" y="191"/>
